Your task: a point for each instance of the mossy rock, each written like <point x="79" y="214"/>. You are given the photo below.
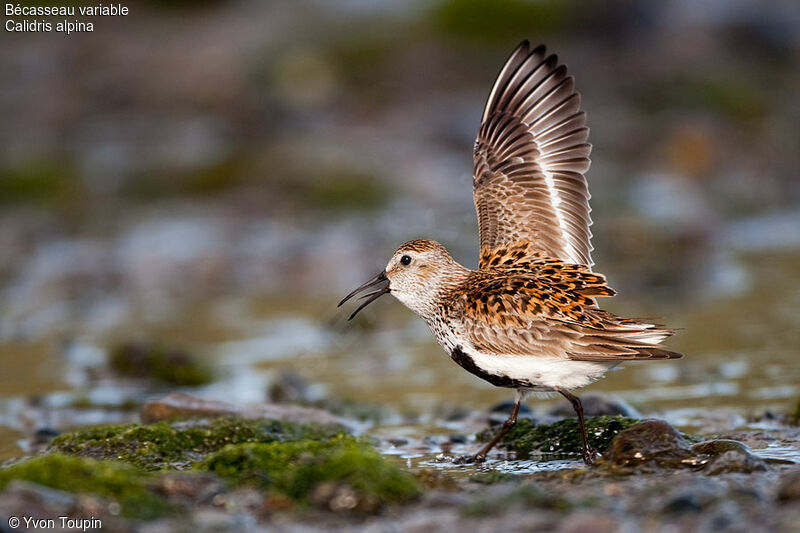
<point x="562" y="437"/>
<point x="154" y="361"/>
<point x="298" y="469"/>
<point x="112" y="480"/>
<point x="794" y="418"/>
<point x="178" y="444"/>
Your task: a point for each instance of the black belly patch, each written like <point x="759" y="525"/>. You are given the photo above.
<point x="466" y="362"/>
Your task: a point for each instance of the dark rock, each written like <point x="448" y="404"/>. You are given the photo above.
<point x="43" y="436"/>
<point x="683" y="503"/>
<point x="654" y="444"/>
<point x="728" y="456"/>
<point x="735" y="461"/>
<point x="398" y="442"/>
<point x="597" y="405"/>
<point x="789" y="486"/>
<point x="719" y="446"/>
<point x="648" y="445"/>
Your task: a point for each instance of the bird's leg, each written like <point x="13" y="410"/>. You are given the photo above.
<point x="589" y="453"/>
<point x="507" y="425"/>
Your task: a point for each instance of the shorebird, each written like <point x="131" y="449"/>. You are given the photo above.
<point x="527" y="318"/>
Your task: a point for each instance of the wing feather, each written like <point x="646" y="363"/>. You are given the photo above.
<point x="530" y="156"/>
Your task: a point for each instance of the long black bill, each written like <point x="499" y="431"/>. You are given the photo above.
<point x="380" y="281"/>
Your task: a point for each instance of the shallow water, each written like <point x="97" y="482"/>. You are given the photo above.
<point x="742" y="360"/>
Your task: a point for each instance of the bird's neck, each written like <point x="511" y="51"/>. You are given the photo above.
<point x="428" y="298"/>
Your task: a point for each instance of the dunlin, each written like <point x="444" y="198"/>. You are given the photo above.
<point x="527" y="318"/>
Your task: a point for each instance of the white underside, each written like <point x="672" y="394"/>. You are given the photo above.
<point x="543" y="373"/>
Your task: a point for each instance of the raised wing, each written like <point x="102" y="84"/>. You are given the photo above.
<point x="546" y="309"/>
<point x="530" y="156"/>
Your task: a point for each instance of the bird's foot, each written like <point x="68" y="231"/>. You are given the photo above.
<point x="469" y="459"/>
<point x="590" y="453"/>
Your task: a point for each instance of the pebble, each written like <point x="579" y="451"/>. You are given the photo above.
<point x="649" y="444"/>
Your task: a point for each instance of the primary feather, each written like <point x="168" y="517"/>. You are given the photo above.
<point x="530" y="156"/>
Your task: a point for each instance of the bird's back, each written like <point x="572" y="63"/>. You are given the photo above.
<point x="546" y="307"/>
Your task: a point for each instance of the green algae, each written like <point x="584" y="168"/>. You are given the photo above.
<point x="563" y="436"/>
<point x="295" y="469"/>
<point x="113" y="480"/>
<point x="178" y="444"/>
<point x="168" y="365"/>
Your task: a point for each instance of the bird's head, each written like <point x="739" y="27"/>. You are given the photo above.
<point x="416" y="274"/>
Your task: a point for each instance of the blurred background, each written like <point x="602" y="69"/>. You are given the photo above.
<point x="186" y="192"/>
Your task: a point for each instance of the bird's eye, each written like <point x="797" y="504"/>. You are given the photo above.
<point x="405" y="260"/>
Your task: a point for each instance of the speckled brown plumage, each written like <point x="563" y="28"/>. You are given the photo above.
<point x="546" y="308"/>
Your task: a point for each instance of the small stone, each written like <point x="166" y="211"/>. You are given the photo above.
<point x="735" y="461"/>
<point x="729" y="456"/>
<point x="345" y="499"/>
<point x="719" y="446"/>
<point x="648" y="444"/>
<point x="683" y="503"/>
<point x="693" y="499"/>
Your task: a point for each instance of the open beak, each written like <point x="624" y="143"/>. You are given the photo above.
<point x="379" y="282"/>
